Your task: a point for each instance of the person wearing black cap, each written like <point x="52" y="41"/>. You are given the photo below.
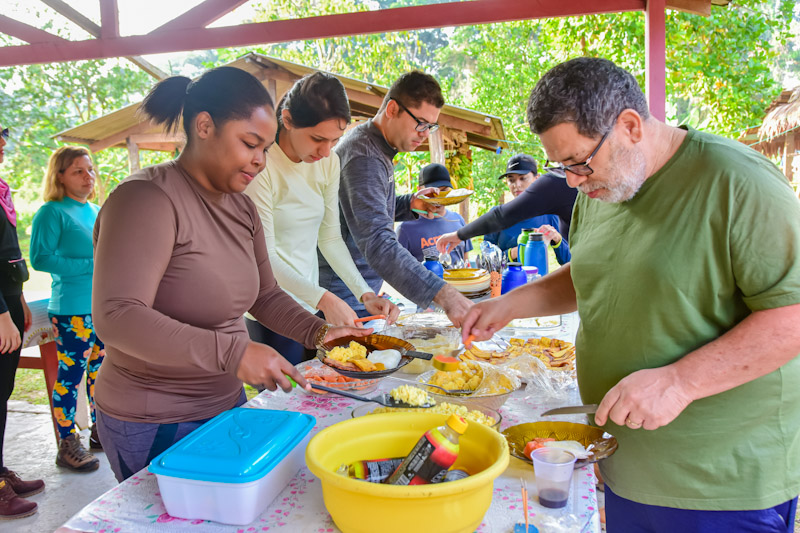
<point x="419" y="236"/>
<point x="546" y="195"/>
<point x="541" y="202"/>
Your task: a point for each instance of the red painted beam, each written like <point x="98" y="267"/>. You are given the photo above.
<point x="109" y="19"/>
<point x="201" y="15"/>
<point x="26" y="33"/>
<point x="656" y="58"/>
<point x="379" y="21"/>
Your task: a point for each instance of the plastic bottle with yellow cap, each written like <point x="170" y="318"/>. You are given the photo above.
<point x="432" y="456"/>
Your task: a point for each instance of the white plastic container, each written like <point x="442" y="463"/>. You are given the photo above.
<point x="230" y="469"/>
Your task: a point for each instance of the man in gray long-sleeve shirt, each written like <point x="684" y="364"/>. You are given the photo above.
<point x="369" y="206"/>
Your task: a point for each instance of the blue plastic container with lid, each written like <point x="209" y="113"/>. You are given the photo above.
<point x="231" y="468"/>
<point x="513" y="277"/>
<point x="433" y="264"/>
<point x="536" y="252"/>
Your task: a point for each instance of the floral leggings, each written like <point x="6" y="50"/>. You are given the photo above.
<point x="79" y="351"/>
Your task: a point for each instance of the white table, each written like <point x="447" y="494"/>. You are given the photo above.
<point x="135" y="505"/>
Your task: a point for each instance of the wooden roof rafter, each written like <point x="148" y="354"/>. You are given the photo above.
<point x="188" y="32"/>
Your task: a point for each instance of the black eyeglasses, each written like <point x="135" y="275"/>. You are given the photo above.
<point x="581" y="169"/>
<point x="421" y="124"/>
<point x="4" y="134"/>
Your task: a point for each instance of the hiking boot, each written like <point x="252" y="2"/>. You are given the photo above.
<point x="23" y="489"/>
<point x="94" y="439"/>
<point x="11" y="505"/>
<point x="72" y="455"/>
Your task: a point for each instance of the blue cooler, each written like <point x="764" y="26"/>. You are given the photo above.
<point x="231" y="468"/>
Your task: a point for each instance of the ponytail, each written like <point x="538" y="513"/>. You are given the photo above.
<point x="225" y="93"/>
<point x="164" y="103"/>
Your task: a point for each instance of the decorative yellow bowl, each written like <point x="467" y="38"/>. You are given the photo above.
<point x="604" y="443"/>
<point x="468" y="280"/>
<point x="443" y="199"/>
<point x="362" y="507"/>
<point x="464" y="274"/>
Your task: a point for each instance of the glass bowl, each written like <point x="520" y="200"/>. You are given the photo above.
<point x="370" y="408"/>
<point x="324" y="375"/>
<point x="435" y="340"/>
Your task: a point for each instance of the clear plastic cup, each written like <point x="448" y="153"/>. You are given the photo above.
<point x="553" y="469"/>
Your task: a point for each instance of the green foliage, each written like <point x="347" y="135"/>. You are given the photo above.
<point x="719" y="77"/>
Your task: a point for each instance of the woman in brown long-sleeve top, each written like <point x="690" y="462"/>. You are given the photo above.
<point x="180" y="256"/>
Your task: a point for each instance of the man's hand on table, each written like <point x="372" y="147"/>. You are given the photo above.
<point x="487" y="318"/>
<point x="648" y="399"/>
<point x="447" y="242"/>
<point x="262" y="366"/>
<point x="454" y="303"/>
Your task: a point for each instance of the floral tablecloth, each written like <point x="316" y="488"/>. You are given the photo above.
<point x="136" y="505"/>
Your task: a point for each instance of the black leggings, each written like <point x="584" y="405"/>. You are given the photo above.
<point x="8" y="366"/>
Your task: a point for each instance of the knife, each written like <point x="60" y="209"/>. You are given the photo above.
<point x="572" y="409"/>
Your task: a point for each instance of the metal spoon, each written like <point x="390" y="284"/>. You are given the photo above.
<point x="383" y="399"/>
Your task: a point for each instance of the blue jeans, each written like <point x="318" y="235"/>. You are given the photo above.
<point x="626" y="516"/>
<point x="130" y="446"/>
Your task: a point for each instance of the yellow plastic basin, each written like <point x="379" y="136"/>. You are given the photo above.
<point x="362" y="507"/>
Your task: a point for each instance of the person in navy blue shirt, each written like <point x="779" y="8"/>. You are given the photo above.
<point x="520" y="173"/>
<point x="547" y="194"/>
<point x="419" y="236"/>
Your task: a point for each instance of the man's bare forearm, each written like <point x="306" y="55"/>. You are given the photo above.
<point x="553" y="294"/>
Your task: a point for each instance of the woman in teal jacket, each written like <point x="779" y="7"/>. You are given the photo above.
<point x="61" y="244"/>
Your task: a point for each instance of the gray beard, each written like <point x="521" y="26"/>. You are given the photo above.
<point x="630" y="172"/>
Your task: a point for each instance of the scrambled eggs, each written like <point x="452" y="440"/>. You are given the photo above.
<point x="446" y="409"/>
<point x="468" y="376"/>
<point x="346" y="354"/>
<point x="411" y="395"/>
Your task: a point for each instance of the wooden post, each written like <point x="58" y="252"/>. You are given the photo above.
<point x="272" y="89"/>
<point x="788" y="156"/>
<point x="656" y="58"/>
<point x="436" y="143"/>
<point x="133" y="154"/>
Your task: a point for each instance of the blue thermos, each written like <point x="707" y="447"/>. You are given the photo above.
<point x="536" y="252"/>
<point x="433" y="264"/>
<point x="513" y="277"/>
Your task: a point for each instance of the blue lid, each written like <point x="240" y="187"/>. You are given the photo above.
<point x="237" y="446"/>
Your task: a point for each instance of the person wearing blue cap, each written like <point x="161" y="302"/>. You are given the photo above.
<point x="419" y="236"/>
<point x="542" y="202"/>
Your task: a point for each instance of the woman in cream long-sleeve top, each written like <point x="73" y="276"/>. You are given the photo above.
<point x="297" y="197"/>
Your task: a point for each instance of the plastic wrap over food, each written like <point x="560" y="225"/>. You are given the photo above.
<point x="542" y="381"/>
<point x="483" y="378"/>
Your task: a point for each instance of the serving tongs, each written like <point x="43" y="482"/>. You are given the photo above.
<point x="384" y="399"/>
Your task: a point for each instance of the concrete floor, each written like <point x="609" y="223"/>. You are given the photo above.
<point x="30" y="450"/>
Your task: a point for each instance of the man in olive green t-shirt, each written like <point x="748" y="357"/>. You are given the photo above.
<point x="686" y="278"/>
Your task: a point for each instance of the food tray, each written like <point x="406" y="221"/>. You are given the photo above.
<point x="554" y="353"/>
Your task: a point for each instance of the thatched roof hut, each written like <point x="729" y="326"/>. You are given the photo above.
<point x="779" y="133"/>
